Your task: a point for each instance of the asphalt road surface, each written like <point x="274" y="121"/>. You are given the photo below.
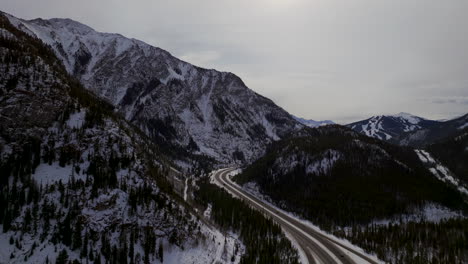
<point x="317" y="247"/>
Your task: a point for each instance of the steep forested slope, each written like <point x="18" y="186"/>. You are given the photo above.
<point x="347" y="183"/>
<point x="453" y="153"/>
<point x="334" y="167"/>
<point x="77" y="181"/>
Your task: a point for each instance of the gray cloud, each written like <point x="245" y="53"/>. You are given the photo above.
<point x="457" y="100"/>
<point x="321" y="59"/>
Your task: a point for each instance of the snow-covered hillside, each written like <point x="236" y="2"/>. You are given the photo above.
<point x="78" y="182"/>
<point x="205" y="111"/>
<point x="391" y="127"/>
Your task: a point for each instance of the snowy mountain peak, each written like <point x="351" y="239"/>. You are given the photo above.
<point x="390" y="127"/>
<point x="65" y="23"/>
<point x="209" y="112"/>
<point x="409" y="117"/>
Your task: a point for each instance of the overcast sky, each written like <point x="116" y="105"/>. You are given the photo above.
<point x="318" y="59"/>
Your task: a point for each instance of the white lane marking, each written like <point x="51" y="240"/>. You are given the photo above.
<point x="316" y="258"/>
<point x="290" y="224"/>
<point x="301" y="251"/>
<point x="185" y="189"/>
<point x="174" y="170"/>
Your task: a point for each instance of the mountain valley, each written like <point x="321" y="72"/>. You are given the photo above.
<point x="115" y="151"/>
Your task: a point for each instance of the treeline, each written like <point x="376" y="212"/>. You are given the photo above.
<point x="452" y="152"/>
<point x="370" y="180"/>
<point x="419" y="242"/>
<point x="21" y="197"/>
<point x="115" y="245"/>
<point x="264" y="240"/>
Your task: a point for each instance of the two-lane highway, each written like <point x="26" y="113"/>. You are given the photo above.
<point x="317" y="247"/>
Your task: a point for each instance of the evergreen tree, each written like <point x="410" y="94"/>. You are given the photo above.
<point x="77" y="242"/>
<point x="161" y="252"/>
<point x="62" y="257"/>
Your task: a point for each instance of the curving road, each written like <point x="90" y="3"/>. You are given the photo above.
<point x="317" y="247"/>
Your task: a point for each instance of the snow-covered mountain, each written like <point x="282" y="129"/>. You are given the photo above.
<point x="313" y="123"/>
<point x="206" y="111"/>
<point x="78" y="183"/>
<point x="409" y="130"/>
<point x="435" y="133"/>
<point x="391" y="127"/>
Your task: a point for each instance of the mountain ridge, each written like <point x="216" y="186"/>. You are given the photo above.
<point x="390" y="127"/>
<point x="211" y="113"/>
<point x="313" y="123"/>
<point x="78" y="181"/>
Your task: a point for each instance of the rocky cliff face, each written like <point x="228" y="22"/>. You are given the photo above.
<point x="205" y="111"/>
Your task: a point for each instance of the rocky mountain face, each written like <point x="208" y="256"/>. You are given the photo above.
<point x="203" y="111"/>
<point x="77" y="181"/>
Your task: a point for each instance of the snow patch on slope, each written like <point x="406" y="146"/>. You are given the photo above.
<point x="440" y="172"/>
<point x="319" y="164"/>
<point x="48" y="174"/>
<point x="76" y="120"/>
<point x="463" y="126"/>
<point x="430" y="212"/>
<point x="409" y="117"/>
<point x="374" y="128"/>
<point x="216" y="248"/>
<point x="323" y="165"/>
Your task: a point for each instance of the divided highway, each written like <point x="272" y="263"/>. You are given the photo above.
<point x="317" y="247"/>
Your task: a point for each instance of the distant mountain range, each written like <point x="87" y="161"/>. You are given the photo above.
<point x="407" y="129"/>
<point x="313" y="123"/>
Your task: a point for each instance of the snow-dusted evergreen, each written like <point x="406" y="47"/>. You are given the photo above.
<point x="205" y="111"/>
